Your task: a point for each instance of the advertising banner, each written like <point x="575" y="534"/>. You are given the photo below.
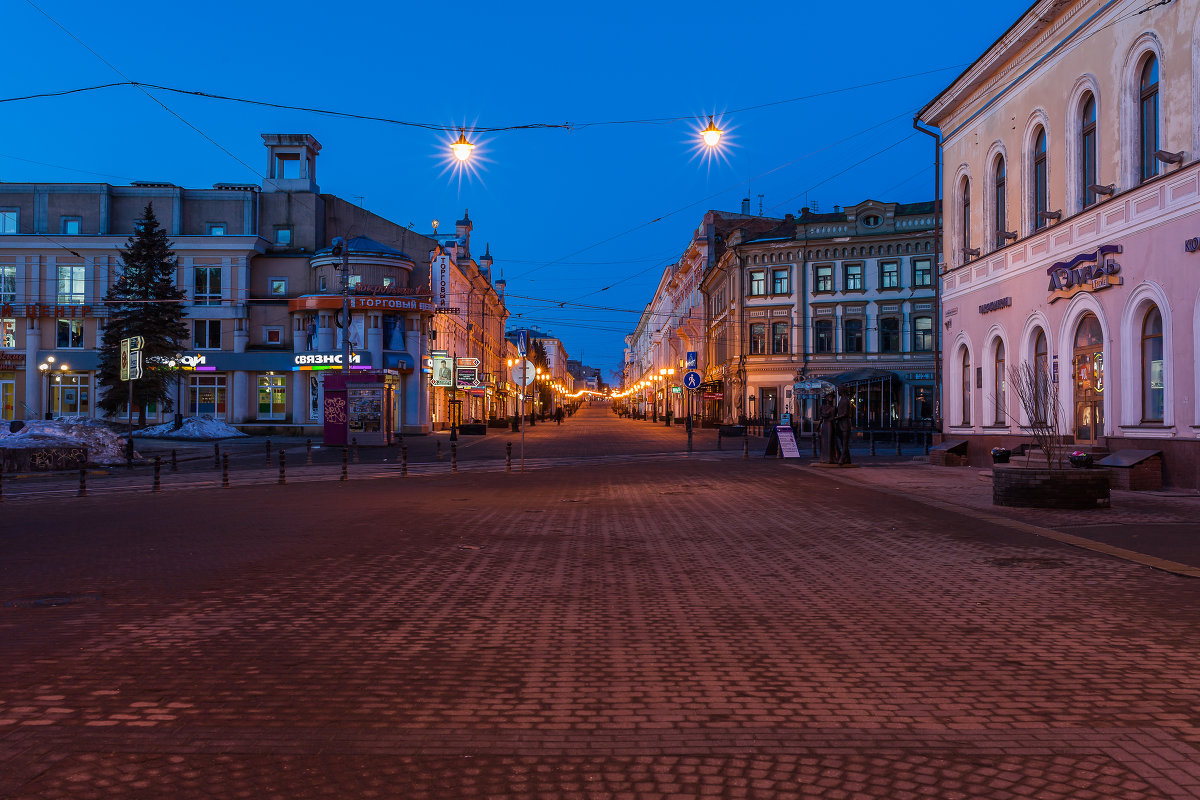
<point x="443" y="371"/>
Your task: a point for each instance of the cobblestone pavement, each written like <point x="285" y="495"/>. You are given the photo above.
<point x="665" y="628"/>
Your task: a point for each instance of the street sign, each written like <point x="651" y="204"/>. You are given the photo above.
<point x="691" y="359"/>
<point x="523" y="373"/>
<point x="135" y="365"/>
<point x="691" y="379"/>
<point x="522" y="342"/>
<point x="137" y="342"/>
<point x="125" y="359"/>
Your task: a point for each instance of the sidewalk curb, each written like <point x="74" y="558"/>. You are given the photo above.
<point x="1153" y="562"/>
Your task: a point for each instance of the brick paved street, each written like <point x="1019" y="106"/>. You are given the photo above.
<point x="654" y="627"/>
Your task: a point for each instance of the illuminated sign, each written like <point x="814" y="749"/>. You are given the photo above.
<point x="320" y="361"/>
<point x="1086" y="272"/>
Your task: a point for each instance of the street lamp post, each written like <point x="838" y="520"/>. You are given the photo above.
<point x="46" y="367"/>
<point x="175" y="364"/>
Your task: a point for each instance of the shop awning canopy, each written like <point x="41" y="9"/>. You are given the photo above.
<point x="398" y="361"/>
<point x="861" y="375"/>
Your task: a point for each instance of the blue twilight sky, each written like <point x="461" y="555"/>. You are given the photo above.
<point x="567" y="213"/>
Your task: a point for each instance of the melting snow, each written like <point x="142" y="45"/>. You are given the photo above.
<point x="204" y="427"/>
<point x="104" y="445"/>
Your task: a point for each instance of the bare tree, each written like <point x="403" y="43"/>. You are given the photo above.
<point x="1039" y="400"/>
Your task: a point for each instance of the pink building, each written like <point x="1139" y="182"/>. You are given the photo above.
<point x="1072" y="211"/>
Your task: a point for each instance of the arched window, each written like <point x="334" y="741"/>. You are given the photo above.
<point x="1087" y="149"/>
<point x="1001" y="383"/>
<point x="965" y="217"/>
<point x="1152" y="366"/>
<point x="1041" y="375"/>
<point x="1148" y="118"/>
<point x="1040" y="195"/>
<point x="1000" y="199"/>
<point x="966" y="387"/>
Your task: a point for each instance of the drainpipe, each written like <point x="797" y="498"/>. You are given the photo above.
<point x="937" y="250"/>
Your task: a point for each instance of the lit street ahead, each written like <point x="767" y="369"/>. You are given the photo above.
<point x="659" y="626"/>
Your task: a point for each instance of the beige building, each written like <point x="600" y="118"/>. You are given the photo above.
<point x="1072" y="195"/>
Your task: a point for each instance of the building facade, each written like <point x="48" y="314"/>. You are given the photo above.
<point x="263" y="293"/>
<point x="823" y="300"/>
<point x="1072" y="196"/>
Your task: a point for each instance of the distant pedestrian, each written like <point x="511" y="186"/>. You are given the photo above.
<point x="558" y="415"/>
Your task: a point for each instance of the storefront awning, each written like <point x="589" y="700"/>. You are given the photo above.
<point x="861" y="375"/>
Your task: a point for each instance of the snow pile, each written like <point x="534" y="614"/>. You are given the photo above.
<point x="104" y="445"/>
<point x="203" y="427"/>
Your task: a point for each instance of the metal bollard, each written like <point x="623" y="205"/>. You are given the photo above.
<point x="871" y="437"/>
<point x="82" y="482"/>
<point x="454" y="456"/>
<point x="308" y="448"/>
<point x="216" y="456"/>
<point x="157" y="470"/>
<point x="508" y="457"/>
<point x="898" y="443"/>
<point x="174" y="462"/>
<point x="268" y="452"/>
<point x="345" y="461"/>
<point x="354" y="441"/>
<point x="225" y="471"/>
<point x="745" y="448"/>
<point x="404" y="461"/>
<point x="282" y="467"/>
<point x="439" y="453"/>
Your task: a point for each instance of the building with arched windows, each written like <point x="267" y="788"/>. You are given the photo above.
<point x="1075" y="135"/>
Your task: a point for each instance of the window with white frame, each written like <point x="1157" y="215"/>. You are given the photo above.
<point x="207" y="285"/>
<point x="8" y="281"/>
<point x="922" y="271"/>
<point x="823" y="278"/>
<point x="853" y="277"/>
<point x="206" y="395"/>
<point x="758" y="282"/>
<point x="889" y="274"/>
<point x="72" y="283"/>
<point x="69" y="334"/>
<point x="1148" y="118"/>
<point x="779" y="282"/>
<point x="278" y="287"/>
<point x="272" y="396"/>
<point x="923" y="334"/>
<point x="206" y="334"/>
<point x="273" y="334"/>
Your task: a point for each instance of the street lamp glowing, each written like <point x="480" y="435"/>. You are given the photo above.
<point x="712" y="134"/>
<point x="461" y="147"/>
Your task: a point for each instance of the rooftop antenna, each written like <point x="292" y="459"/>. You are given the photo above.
<point x="760" y="205"/>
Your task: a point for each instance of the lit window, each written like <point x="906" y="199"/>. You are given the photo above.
<point x="779" y="337"/>
<point x="8" y="333"/>
<point x="758" y="339"/>
<point x="69" y="334"/>
<point x="1041" y="376"/>
<point x="966" y="388"/>
<point x="71" y="284"/>
<point x="8" y="281"/>
<point x="1152" y="367"/>
<point x="1001" y="383"/>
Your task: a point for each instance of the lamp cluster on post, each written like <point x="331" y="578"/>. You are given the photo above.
<point x="47" y="368"/>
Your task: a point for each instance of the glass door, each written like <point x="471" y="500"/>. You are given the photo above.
<point x="1087" y="367"/>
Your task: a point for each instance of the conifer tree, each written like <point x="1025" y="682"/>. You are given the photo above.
<point x="144" y="301"/>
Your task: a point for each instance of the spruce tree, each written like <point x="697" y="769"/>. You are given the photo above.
<point x="144" y="301"/>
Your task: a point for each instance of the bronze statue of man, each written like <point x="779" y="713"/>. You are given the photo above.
<point x="827" y="438"/>
<point x="841" y="416"/>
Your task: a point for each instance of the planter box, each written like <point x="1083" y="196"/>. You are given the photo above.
<point x="1050" y="488"/>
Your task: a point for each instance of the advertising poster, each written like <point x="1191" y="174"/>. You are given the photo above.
<point x="443" y="371"/>
<point x="468" y="377"/>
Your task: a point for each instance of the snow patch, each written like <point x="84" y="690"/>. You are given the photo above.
<point x="203" y="427"/>
<point x="104" y="445"/>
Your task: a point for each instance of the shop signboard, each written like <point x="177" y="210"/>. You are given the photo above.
<point x="311" y="361"/>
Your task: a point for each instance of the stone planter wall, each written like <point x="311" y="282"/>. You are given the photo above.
<point x="1046" y="488"/>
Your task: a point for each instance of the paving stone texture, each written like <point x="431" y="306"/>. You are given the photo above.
<point x="662" y="627"/>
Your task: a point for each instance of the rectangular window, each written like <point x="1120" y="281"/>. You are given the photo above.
<point x="278" y="286"/>
<point x="758" y="283"/>
<point x="779" y="338"/>
<point x="216" y="229"/>
<point x="889" y="335"/>
<point x="71" y="284"/>
<point x="69" y="395"/>
<point x="207" y="286"/>
<point x="272" y="334"/>
<point x="8" y="282"/>
<point x="9" y="217"/>
<point x="779" y="282"/>
<point x="854" y="277"/>
<point x="206" y="334"/>
<point x="852" y="335"/>
<point x="823" y="278"/>
<point x="8" y="333"/>
<point x="922" y="271"/>
<point x="758" y="338"/>
<point x="355" y="280"/>
<point x="283" y="235"/>
<point x="889" y="274"/>
<point x="70" y="334"/>
<point x="71" y="226"/>
<point x="823" y="336"/>
<point x="272" y="396"/>
<point x="206" y="395"/>
<point x="923" y="334"/>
